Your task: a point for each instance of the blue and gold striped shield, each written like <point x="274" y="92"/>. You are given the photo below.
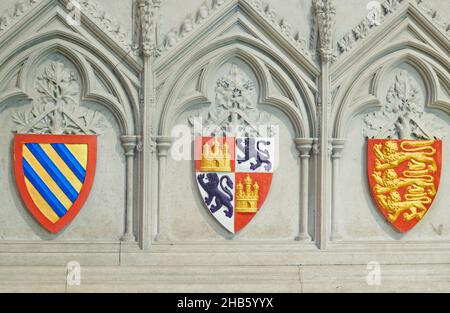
<point x="54" y="174"/>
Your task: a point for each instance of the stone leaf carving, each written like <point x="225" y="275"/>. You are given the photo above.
<point x="435" y="17"/>
<point x="374" y="19"/>
<point x="191" y="22"/>
<point x="280" y="24"/>
<point x="325" y="11"/>
<point x="375" y="15"/>
<point x="149" y="17"/>
<point x="107" y="23"/>
<point x="234" y="110"/>
<point x="57" y="110"/>
<point x="388" y="7"/>
<point x="402" y="116"/>
<point x="10" y="16"/>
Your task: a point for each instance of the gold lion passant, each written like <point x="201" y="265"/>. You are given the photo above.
<point x="417" y="152"/>
<point x="395" y="206"/>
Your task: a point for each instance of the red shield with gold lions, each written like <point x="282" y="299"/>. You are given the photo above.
<point x="234" y="176"/>
<point x="404" y="178"/>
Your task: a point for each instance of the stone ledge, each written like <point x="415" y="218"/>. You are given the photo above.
<point x="295" y="279"/>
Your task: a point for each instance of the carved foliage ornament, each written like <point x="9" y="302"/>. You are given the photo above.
<point x="106" y="22"/>
<point x="325" y="11"/>
<point x="149" y="18"/>
<point x="374" y="19"/>
<point x="282" y="25"/>
<point x="10" y="16"/>
<point x="403" y="115"/>
<point x="435" y="17"/>
<point x="206" y="10"/>
<point x="57" y="110"/>
<point x="234" y="110"/>
<point x="191" y="22"/>
<point x="94" y="11"/>
<point x="377" y="16"/>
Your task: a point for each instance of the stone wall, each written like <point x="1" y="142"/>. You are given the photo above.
<point x="320" y="69"/>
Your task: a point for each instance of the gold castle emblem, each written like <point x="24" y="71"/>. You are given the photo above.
<point x="418" y="178"/>
<point x="216" y="157"/>
<point x="247" y="196"/>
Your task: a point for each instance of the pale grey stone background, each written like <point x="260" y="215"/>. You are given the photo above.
<point x="103" y="215"/>
<point x="102" y="219"/>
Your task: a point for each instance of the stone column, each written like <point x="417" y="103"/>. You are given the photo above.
<point x="163" y="145"/>
<point x="325" y="12"/>
<point x="337" y="148"/>
<point x="129" y="144"/>
<point x="304" y="146"/>
<point x="148" y="21"/>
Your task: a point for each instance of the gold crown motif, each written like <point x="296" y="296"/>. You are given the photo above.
<point x="247" y="197"/>
<point x="216" y="157"/>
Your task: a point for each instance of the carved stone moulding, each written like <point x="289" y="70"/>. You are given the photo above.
<point x="10" y="16"/>
<point x="378" y="14"/>
<point x="374" y="19"/>
<point x="435" y="17"/>
<point x="107" y="23"/>
<point x="90" y="8"/>
<point x="208" y="10"/>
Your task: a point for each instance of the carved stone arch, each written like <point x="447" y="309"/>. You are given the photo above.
<point x="39" y="52"/>
<point x="125" y="109"/>
<point x="305" y="78"/>
<point x="187" y="76"/>
<point x="125" y="74"/>
<point x="106" y="90"/>
<point x="299" y="115"/>
<point x="228" y="53"/>
<point x="416" y="55"/>
<point x="263" y="69"/>
<point x="416" y="62"/>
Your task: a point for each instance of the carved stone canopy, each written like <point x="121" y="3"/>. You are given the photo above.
<point x="57" y="109"/>
<point x="234" y="110"/>
<point x="403" y="115"/>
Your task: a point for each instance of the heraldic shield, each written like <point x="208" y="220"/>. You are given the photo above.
<point x="234" y="176"/>
<point x="404" y="178"/>
<point x="54" y="175"/>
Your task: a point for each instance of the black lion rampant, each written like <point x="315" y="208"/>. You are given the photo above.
<point x="218" y="191"/>
<point x="247" y="146"/>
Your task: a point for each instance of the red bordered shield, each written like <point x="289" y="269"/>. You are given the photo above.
<point x="404" y="178"/>
<point x="54" y="175"/>
<point x="234" y="176"/>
